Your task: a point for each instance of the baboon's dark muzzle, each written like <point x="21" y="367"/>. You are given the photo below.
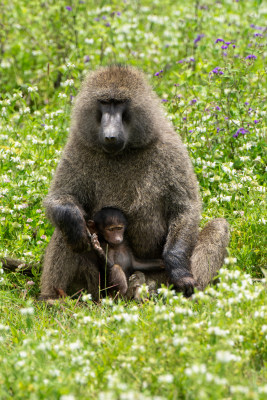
<point x="112" y="132"/>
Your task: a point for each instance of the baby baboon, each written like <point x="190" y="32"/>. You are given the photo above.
<point x="123" y="152"/>
<point x="117" y="261"/>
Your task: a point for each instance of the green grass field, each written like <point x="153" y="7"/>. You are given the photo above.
<point x="206" y="60"/>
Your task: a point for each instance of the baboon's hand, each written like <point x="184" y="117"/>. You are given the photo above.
<point x="70" y="221"/>
<point x="96" y="245"/>
<point x="186" y="285"/>
<point x="178" y="267"/>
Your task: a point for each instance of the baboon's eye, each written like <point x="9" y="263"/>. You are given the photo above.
<point x="126" y="116"/>
<point x="98" y="116"/>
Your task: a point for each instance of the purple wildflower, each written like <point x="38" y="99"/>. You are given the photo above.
<point x="256" y="121"/>
<point x="224" y="47"/>
<point x="240" y="130"/>
<point x="218" y="108"/>
<point x="246" y="103"/>
<point x="193" y="101"/>
<point x="228" y="43"/>
<point x="217" y="70"/>
<point x="97" y="19"/>
<point x="184" y="118"/>
<point x="219" y="40"/>
<point x="258" y="35"/>
<point x="104" y="17"/>
<point x="68" y="8"/>
<point x="119" y="13"/>
<point x="180" y="61"/>
<point x="198" y="38"/>
<point x="108" y="25"/>
<point x="256" y="27"/>
<point x="224" y="54"/>
<point x="158" y="73"/>
<point x="251" y="57"/>
<point x="164" y="100"/>
<point x="191" y="130"/>
<point x="192" y="59"/>
<point x="86" y="59"/>
<point x="233" y="46"/>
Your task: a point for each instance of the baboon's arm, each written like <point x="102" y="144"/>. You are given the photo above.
<point x="103" y="256"/>
<point x="64" y="206"/>
<point x="181" y="240"/>
<point x="152" y="265"/>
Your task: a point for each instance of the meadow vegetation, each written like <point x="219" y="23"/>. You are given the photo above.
<point x="205" y="59"/>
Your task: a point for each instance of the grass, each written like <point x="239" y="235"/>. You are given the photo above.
<point x="210" y="347"/>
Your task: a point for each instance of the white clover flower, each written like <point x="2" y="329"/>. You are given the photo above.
<point x="239" y="389"/>
<point x="32" y="89"/>
<point x="87" y="297"/>
<point x="27" y="311"/>
<point x="168" y="378"/>
<point x="218" y="331"/>
<point x="195" y="369"/>
<point x="230" y="260"/>
<point x="226" y="356"/>
<point x="75" y="345"/>
<point x="68" y="82"/>
<point x="143" y="291"/>
<point x="25" y="110"/>
<point x="262" y="389"/>
<point x="70" y="65"/>
<point x="264" y="328"/>
<point x="179" y="340"/>
<point x="67" y="397"/>
<point x="89" y="41"/>
<point x="4" y="327"/>
<point x="62" y="95"/>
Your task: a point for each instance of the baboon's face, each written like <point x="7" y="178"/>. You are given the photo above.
<point x="114" y="234"/>
<point x="113" y="119"/>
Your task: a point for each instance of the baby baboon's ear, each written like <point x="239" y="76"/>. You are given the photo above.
<point x="91" y="226"/>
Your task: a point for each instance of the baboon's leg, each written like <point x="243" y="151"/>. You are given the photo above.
<point x="210" y="250"/>
<point x="62" y="267"/>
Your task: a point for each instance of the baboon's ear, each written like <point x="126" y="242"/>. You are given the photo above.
<point x="91" y="226"/>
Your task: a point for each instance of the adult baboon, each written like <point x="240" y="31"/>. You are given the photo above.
<point x="123" y="152"/>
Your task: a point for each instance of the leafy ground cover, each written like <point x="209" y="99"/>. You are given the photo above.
<point x="205" y="60"/>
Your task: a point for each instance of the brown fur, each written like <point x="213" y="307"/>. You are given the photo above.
<point x="151" y="181"/>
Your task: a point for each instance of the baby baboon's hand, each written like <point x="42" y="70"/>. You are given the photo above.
<point x="96" y="245"/>
<point x="95" y="242"/>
